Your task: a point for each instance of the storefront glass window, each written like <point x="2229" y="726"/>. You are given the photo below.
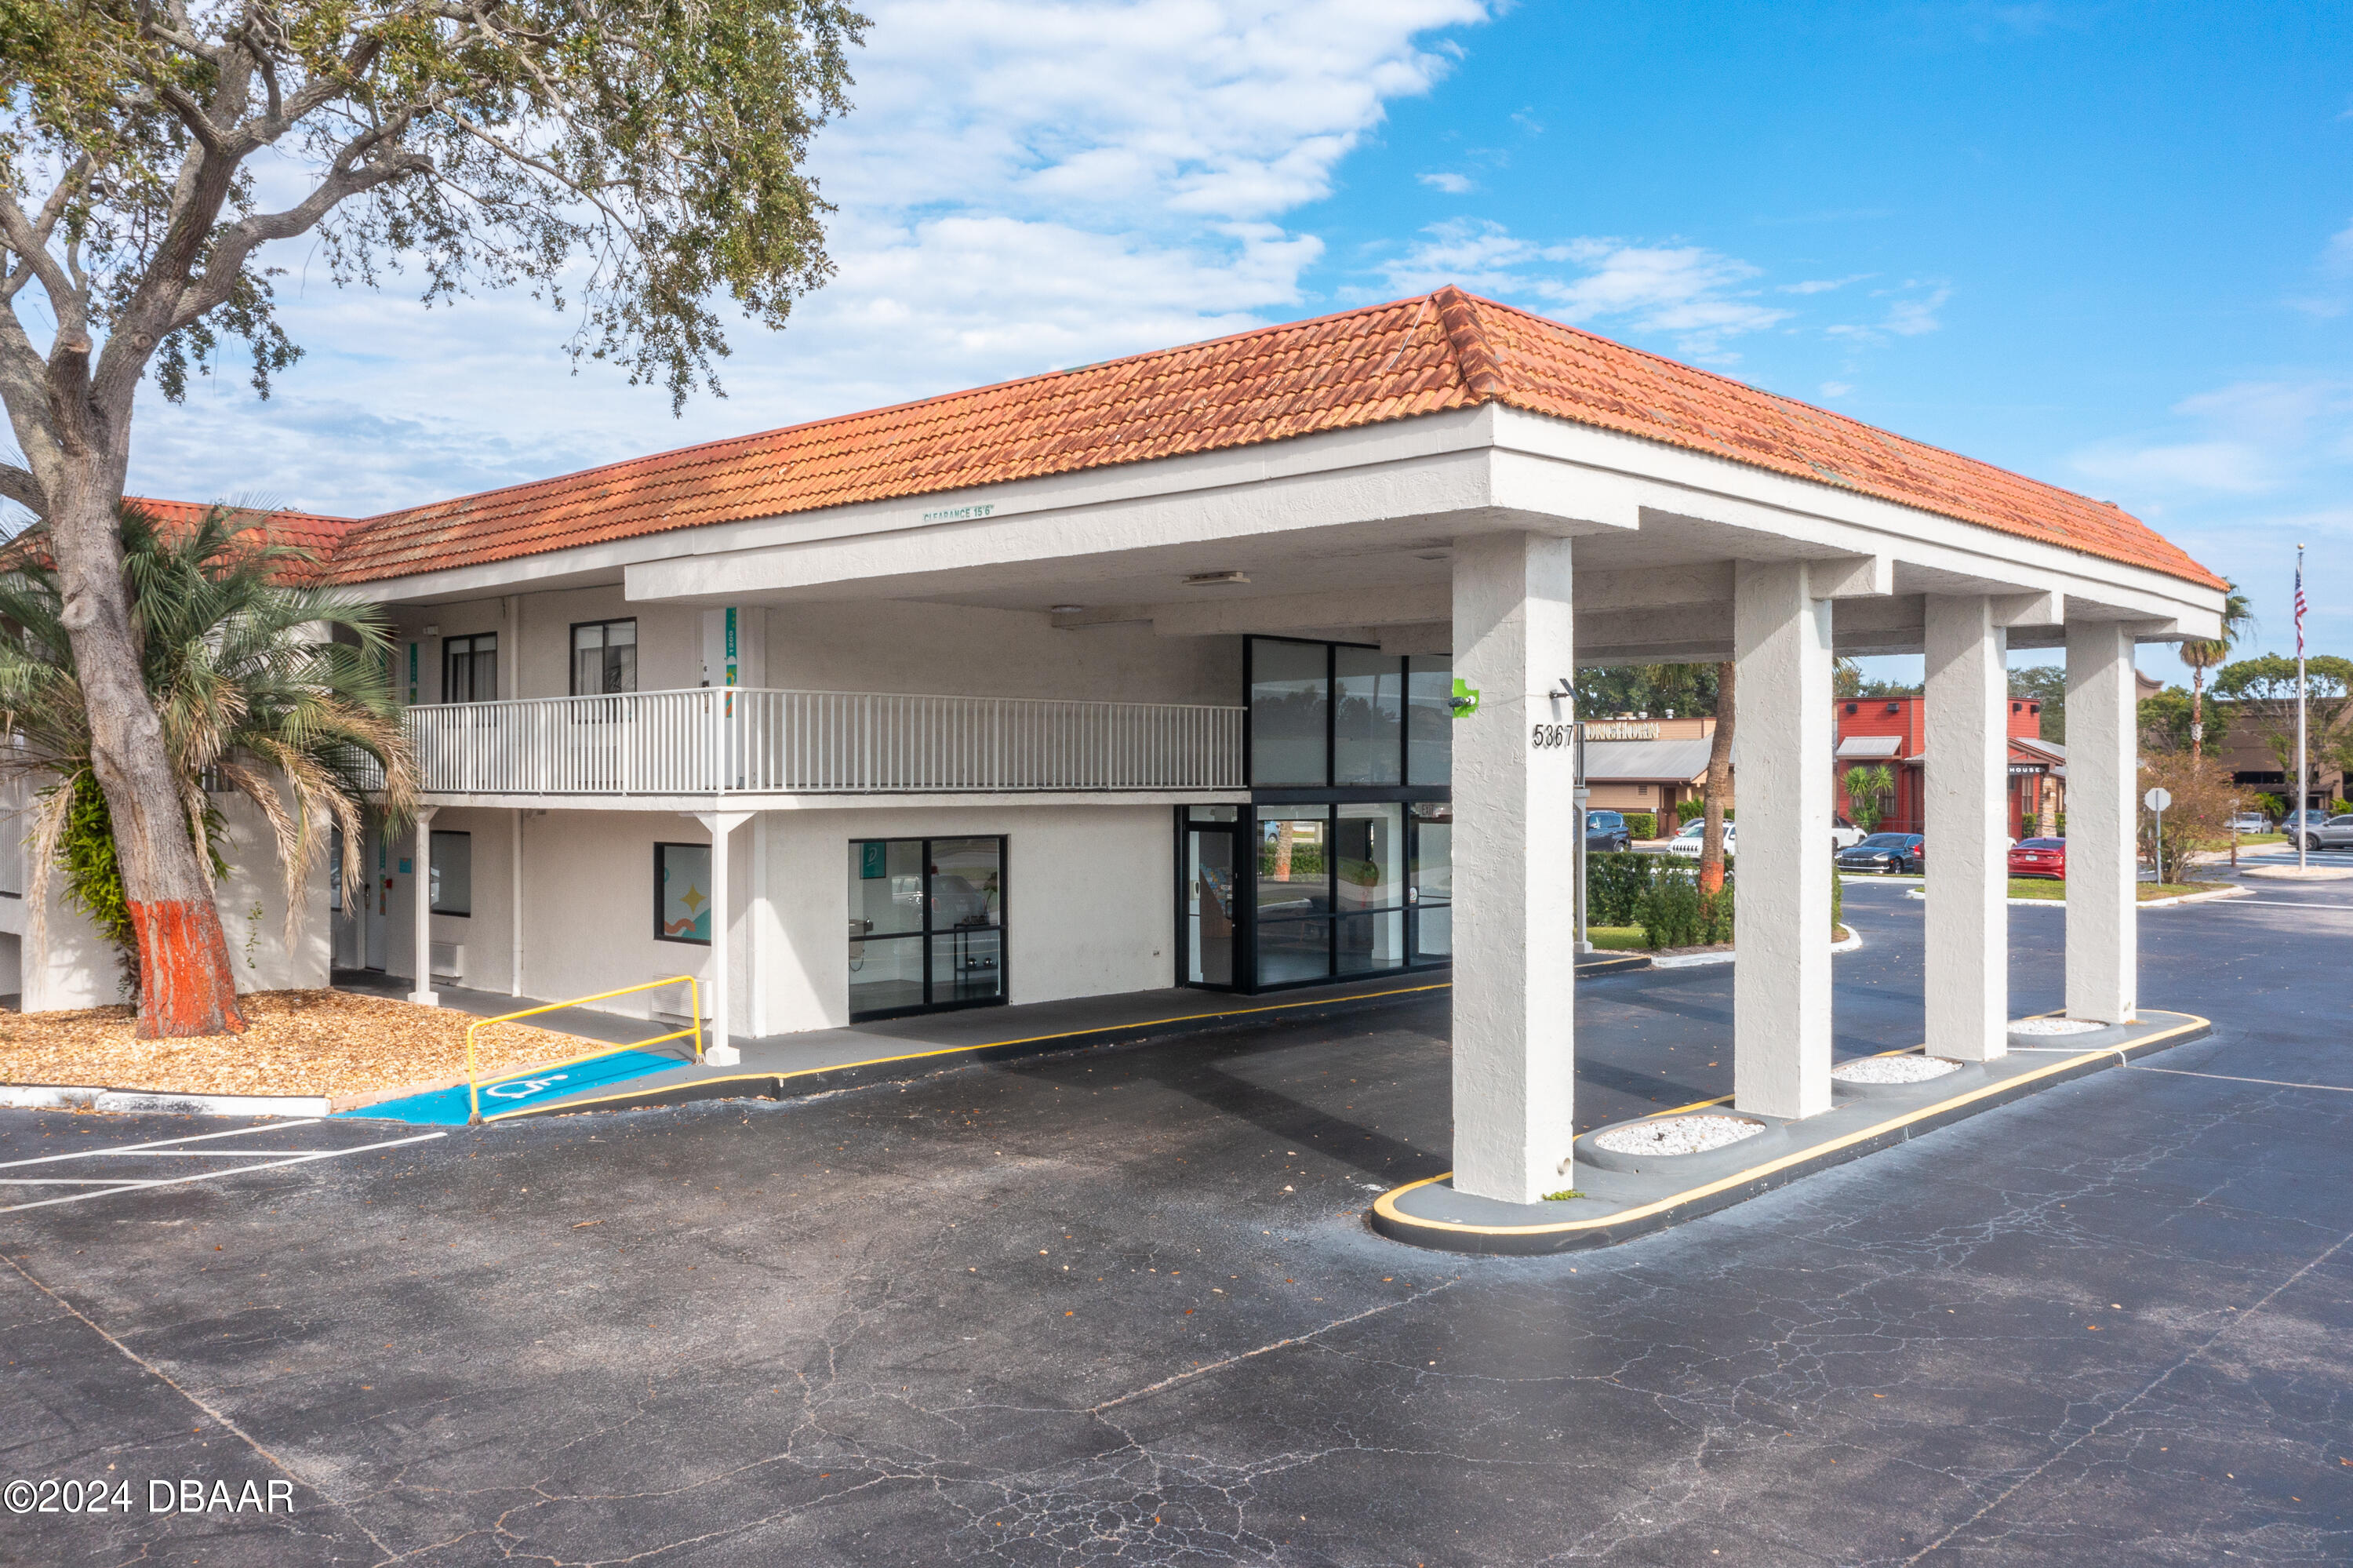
<point x="1430" y="719"/>
<point x="1290" y="703"/>
<point x="1366" y="717"/>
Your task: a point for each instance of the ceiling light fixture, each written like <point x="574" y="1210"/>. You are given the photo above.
<point x="1212" y="579"/>
<point x="1066" y="609"/>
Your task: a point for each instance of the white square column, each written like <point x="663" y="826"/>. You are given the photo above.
<point x="1781" y="909"/>
<point x="2103" y="862"/>
<point x="1514" y="868"/>
<point x="720" y="1052"/>
<point x="422" y="885"/>
<point x="1966" y="819"/>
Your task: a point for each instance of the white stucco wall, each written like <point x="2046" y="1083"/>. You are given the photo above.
<point x="952" y="650"/>
<point x="588" y="907"/>
<point x="1088" y="900"/>
<point x="74" y="968"/>
<point x="871" y="646"/>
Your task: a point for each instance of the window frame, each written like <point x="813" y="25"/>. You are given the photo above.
<point x="923" y="934"/>
<point x="432" y="883"/>
<point x="660" y="873"/>
<point x="572" y="651"/>
<point x="450" y="655"/>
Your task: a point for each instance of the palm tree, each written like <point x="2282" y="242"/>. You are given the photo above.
<point x="254" y="693"/>
<point x="2238" y="624"/>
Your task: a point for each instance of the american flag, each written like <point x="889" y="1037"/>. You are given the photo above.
<point x="2299" y="604"/>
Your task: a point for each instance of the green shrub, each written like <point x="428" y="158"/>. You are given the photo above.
<point x="1837" y="902"/>
<point x="1691" y="811"/>
<point x="1614" y="885"/>
<point x="1641" y="824"/>
<point x="1674" y="913"/>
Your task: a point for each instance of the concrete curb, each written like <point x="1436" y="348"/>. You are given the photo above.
<point x="62" y="1097"/>
<point x="1846" y="944"/>
<point x="1542" y="1236"/>
<point x="2145" y="903"/>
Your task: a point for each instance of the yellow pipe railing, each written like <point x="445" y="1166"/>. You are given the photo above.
<point x="473" y="1077"/>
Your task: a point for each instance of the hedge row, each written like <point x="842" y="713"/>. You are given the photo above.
<point x="1661" y="894"/>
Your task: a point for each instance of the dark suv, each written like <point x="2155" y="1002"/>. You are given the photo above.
<point x="1607" y="830"/>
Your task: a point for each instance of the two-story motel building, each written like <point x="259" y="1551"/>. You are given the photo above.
<point x="1239" y="664"/>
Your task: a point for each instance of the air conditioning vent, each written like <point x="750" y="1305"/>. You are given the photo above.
<point x="448" y="961"/>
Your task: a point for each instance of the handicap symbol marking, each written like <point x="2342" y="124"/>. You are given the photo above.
<point x="518" y="1087"/>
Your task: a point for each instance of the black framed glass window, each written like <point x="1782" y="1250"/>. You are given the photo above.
<point x="1343" y="716"/>
<point x="926" y="924"/>
<point x="604" y="658"/>
<point x="470" y="668"/>
<point x="1430" y="719"/>
<point x="1368" y="716"/>
<point x="683" y="893"/>
<point x="1290" y="712"/>
<point x="452" y="891"/>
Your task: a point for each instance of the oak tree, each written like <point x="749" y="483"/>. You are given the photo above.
<point x="628" y="162"/>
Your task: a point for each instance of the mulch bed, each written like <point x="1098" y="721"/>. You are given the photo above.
<point x="302" y="1042"/>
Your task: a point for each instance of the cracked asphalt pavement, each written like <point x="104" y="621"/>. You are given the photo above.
<point x="1122" y="1306"/>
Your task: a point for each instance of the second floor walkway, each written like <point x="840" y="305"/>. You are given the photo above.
<point x="653" y="748"/>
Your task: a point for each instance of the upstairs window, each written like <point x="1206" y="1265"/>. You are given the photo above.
<point x="604" y="658"/>
<point x="470" y="668"/>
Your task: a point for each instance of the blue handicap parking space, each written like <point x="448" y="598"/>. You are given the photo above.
<point x="448" y="1108"/>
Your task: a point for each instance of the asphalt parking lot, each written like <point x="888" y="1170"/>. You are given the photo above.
<point x="1122" y="1306"/>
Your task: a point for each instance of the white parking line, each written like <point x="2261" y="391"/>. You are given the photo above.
<point x="265" y="1160"/>
<point x="168" y="1143"/>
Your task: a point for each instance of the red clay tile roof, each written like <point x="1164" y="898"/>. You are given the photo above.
<point x="1445" y="350"/>
<point x="304" y="530"/>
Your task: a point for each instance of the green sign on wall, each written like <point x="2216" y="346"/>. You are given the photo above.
<point x="873" y="861"/>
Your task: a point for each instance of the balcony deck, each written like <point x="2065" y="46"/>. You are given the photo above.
<point x="789" y="747"/>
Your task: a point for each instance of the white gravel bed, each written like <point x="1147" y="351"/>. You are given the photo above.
<point x="1893" y="1070"/>
<point x="2055" y="1026"/>
<point x="1678" y="1135"/>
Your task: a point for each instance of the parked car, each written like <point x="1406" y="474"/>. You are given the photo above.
<point x="2039" y="857"/>
<point x="1904" y="853"/>
<point x="1606" y="830"/>
<point x="2296" y="823"/>
<point x="1846" y="835"/>
<point x="2337" y="833"/>
<point x="1689" y="839"/>
<point x="2250" y="822"/>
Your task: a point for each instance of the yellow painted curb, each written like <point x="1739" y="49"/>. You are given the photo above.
<point x="1386" y="1204"/>
<point x="983" y="1045"/>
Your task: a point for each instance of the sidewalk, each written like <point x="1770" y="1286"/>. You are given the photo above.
<point x="821" y="1060"/>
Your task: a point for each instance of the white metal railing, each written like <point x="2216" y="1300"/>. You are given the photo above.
<point x="705" y="742"/>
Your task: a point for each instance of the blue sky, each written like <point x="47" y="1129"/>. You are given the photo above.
<point x="2108" y="246"/>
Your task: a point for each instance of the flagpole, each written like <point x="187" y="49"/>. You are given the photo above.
<point x="2301" y="822"/>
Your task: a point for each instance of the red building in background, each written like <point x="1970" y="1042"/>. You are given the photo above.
<point x="1889" y="732"/>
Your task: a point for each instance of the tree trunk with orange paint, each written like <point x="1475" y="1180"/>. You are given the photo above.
<point x="186" y="984"/>
<point x="1719" y="784"/>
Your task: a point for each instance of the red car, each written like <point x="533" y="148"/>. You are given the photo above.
<point x="2040" y="857"/>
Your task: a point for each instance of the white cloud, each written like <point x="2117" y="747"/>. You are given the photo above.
<point x="2249" y="438"/>
<point x="1911" y="311"/>
<point x="1024" y="184"/>
<point x="1452" y="184"/>
<point x="1819" y="285"/>
<point x="1698" y="296"/>
<point x="1836" y="388"/>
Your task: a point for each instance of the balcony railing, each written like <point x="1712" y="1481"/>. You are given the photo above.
<point x="707" y="742"/>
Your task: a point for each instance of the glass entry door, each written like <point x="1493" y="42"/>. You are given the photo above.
<point x="1211" y="932"/>
<point x="926" y="924"/>
<point x="1429" y="892"/>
